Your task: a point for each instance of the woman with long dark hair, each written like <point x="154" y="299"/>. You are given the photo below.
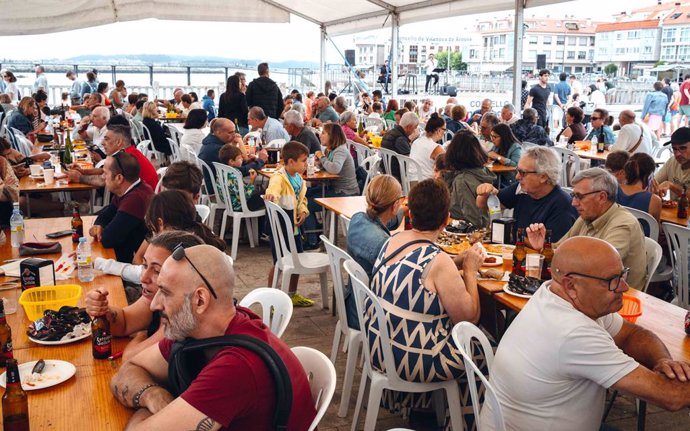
<point x="466" y="158"/>
<point x="233" y="105"/>
<point x="506" y="150"/>
<point x="574" y="129"/>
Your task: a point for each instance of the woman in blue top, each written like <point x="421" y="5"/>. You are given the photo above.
<point x="601" y="125"/>
<point x="23" y="118"/>
<point x="654" y="109"/>
<point x="505" y="151"/>
<point x="634" y="174"/>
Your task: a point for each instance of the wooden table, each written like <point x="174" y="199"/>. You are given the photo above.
<point x="178" y="119"/>
<point x="28" y="186"/>
<point x="85" y="400"/>
<point x="670" y="215"/>
<point x="585" y="154"/>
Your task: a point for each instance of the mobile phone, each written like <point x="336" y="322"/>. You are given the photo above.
<point x="59" y="234"/>
<point x="98" y="151"/>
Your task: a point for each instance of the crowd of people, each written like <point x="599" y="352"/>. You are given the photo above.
<point x="186" y="284"/>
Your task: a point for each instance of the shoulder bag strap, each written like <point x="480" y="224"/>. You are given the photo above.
<point x="639" y="141"/>
<point x="398" y="251"/>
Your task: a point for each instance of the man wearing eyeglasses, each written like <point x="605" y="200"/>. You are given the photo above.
<point x="121" y="224"/>
<point x="676" y="171"/>
<point x="569" y="344"/>
<point x="222" y="132"/>
<point x="234" y="389"/>
<point x="594" y="198"/>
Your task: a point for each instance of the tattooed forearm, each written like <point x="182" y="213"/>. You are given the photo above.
<point x="206" y="424"/>
<point x="113" y="316"/>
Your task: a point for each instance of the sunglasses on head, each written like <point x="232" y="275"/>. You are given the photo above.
<point x="179" y="254"/>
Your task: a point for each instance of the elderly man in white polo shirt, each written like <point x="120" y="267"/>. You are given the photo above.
<point x="633" y="137"/>
<point x="93" y="127"/>
<point x="569" y="344"/>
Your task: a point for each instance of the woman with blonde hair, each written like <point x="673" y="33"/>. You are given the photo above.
<point x="370" y="230"/>
<point x="155" y="130"/>
<point x="23" y="118"/>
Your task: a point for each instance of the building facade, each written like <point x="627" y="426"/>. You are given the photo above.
<point x="633" y="46"/>
<point x="675" y="36"/>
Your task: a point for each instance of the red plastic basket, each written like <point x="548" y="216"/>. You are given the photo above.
<point x="632" y="308"/>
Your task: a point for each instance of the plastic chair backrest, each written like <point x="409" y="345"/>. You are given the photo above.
<point x="276" y="307"/>
<point x="322" y="379"/>
<point x="11" y="138"/>
<point x="448" y="136"/>
<point x="346" y="223"/>
<point x="24" y="146"/>
<point x="463" y="334"/>
<point x="654" y="253"/>
<point x="206" y="171"/>
<point x="204" y="211"/>
<point x="570" y="165"/>
<point x="390" y="124"/>
<point x="526" y="145"/>
<point x="646" y="218"/>
<point x="678" y="238"/>
<point x="374" y="122"/>
<point x="161" y="174"/>
<point x="145" y="148"/>
<point x="372" y="165"/>
<point x="285" y="248"/>
<point x="174" y="133"/>
<point x="364" y="295"/>
<point x="175" y="149"/>
<point x="363" y="152"/>
<point x="386" y="158"/>
<point x="663" y="153"/>
<point x="222" y="182"/>
<point x="336" y="258"/>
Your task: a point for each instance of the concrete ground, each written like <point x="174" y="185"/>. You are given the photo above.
<point x="314" y="327"/>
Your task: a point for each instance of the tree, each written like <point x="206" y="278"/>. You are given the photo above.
<point x="610" y="69"/>
<point x="456" y="62"/>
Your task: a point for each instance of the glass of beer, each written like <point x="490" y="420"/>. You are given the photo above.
<point x="534" y="264"/>
<point x="507" y="256"/>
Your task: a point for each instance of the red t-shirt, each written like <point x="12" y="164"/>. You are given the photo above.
<point x="685" y="86"/>
<point x="147" y="172"/>
<point x="236" y="389"/>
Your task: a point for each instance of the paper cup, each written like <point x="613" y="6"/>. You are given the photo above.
<point x="36" y="170"/>
<point x="49" y="176"/>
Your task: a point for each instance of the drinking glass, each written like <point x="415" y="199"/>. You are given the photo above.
<point x="534" y="264"/>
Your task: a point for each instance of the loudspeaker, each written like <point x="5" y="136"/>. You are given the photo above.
<point x="350" y="56"/>
<point x="541" y="61"/>
<point x="451" y="91"/>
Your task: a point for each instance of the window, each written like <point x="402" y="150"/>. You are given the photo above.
<point x="502" y="39"/>
<point x="413" y="53"/>
<point x="473" y="53"/>
<point x="669" y="35"/>
<point x="559" y="55"/>
<point x="647" y="49"/>
<point x="547" y="40"/>
<point x="591" y="40"/>
<point x="619" y="36"/>
<point x="582" y="41"/>
<point x="572" y="40"/>
<point x="560" y="40"/>
<point x="668" y="53"/>
<point x="532" y="40"/>
<point x="683" y="53"/>
<point x="501" y="53"/>
<point x="620" y="51"/>
<point x="632" y="35"/>
<point x="685" y="34"/>
<point x="495" y="40"/>
<point x="591" y="55"/>
<point x="603" y="51"/>
<point x="571" y="55"/>
<point x="582" y="55"/>
<point x="578" y="69"/>
<point x="547" y="54"/>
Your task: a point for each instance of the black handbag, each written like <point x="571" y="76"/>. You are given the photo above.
<point x="187" y="360"/>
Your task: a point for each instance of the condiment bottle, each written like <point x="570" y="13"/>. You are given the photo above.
<point x="15" y="405"/>
<point x="5" y="338"/>
<point x="101" y="339"/>
<point x="77" y="225"/>
<point x="519" y="254"/>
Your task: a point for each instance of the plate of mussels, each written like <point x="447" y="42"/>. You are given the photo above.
<point x="67" y="325"/>
<point x="460" y="227"/>
<point x="522" y="287"/>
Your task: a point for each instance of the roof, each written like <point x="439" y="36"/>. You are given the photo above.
<point x="335" y="16"/>
<point x="627" y="25"/>
<point x="547" y="25"/>
<point x="678" y="16"/>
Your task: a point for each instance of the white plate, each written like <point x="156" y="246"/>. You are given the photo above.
<point x="269" y="170"/>
<point x="510" y="292"/>
<point x="59" y="343"/>
<point x="54" y="373"/>
<point x="37" y="177"/>
<point x="499" y="261"/>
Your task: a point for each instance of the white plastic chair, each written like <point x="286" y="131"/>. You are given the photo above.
<point x="251" y="218"/>
<point x="372" y="165"/>
<point x="289" y="261"/>
<point x="405" y="163"/>
<point x="352" y="337"/>
<point x="276" y="307"/>
<point x="463" y="333"/>
<point x="678" y="238"/>
<point x="175" y="149"/>
<point x="447" y="136"/>
<point x="642" y="216"/>
<point x="345" y="223"/>
<point x="363" y="152"/>
<point x="24" y="146"/>
<point x="204" y="211"/>
<point x="209" y="196"/>
<point x="321" y="376"/>
<point x="570" y="165"/>
<point x="390" y="378"/>
<point x="654" y="253"/>
<point x="374" y="122"/>
<point x="161" y="174"/>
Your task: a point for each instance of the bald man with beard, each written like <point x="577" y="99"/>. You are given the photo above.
<point x="633" y="137"/>
<point x="569" y="344"/>
<point x="234" y="389"/>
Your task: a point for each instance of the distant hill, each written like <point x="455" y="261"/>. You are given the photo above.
<point x="159" y="59"/>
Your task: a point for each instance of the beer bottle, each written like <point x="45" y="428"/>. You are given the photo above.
<point x="548" y="257"/>
<point x="15" y="405"/>
<point x="683" y="203"/>
<point x="77" y="225"/>
<point x="101" y="340"/>
<point x="519" y="254"/>
<point x="5" y="338"/>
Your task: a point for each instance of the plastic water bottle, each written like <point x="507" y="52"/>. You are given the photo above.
<point x="494" y="207"/>
<point x="84" y="261"/>
<point x="311" y="167"/>
<point x="595" y="142"/>
<point x="17" y="226"/>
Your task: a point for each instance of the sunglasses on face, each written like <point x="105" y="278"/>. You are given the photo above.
<point x="179" y="254"/>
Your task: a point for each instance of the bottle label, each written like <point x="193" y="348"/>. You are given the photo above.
<point x="6" y="349"/>
<point x="83" y="259"/>
<point x="102" y="344"/>
<point x="17" y="228"/>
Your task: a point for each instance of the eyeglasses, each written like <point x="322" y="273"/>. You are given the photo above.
<point x="178" y="254"/>
<point x="612" y="282"/>
<point x="523" y="173"/>
<point x="595" y="118"/>
<point x="580" y="196"/>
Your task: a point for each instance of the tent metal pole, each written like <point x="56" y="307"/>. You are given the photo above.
<point x="322" y="59"/>
<point x="517" y="52"/>
<point x="395" y="33"/>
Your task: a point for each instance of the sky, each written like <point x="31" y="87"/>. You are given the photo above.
<point x="299" y="39"/>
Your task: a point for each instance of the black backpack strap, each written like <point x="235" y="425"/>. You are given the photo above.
<point x="186" y="361"/>
<point x="398" y="250"/>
